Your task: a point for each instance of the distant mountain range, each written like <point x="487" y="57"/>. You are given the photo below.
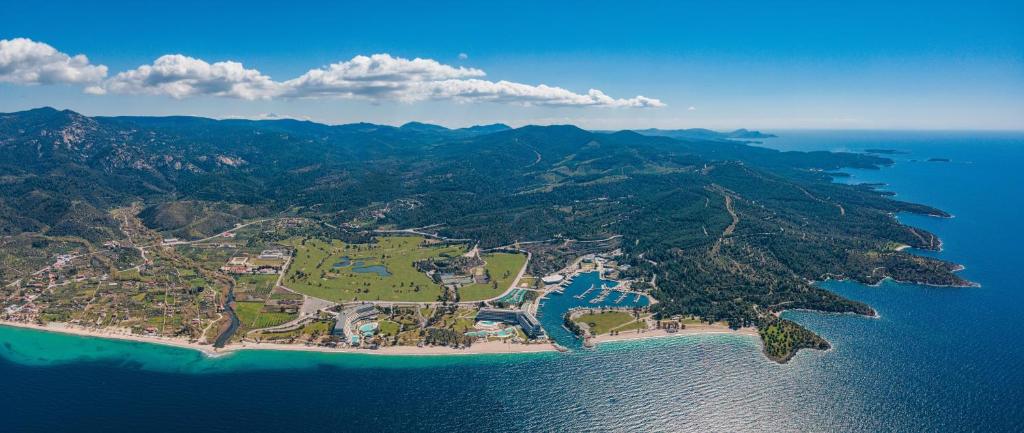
<point x="705" y="134"/>
<point x="438" y="129"/>
<point x="684" y="134"/>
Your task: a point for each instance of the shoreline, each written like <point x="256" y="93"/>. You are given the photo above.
<point x="111" y="334"/>
<point x="483" y="348"/>
<point x="689" y="330"/>
<point x="970" y="284"/>
<point x="843" y="279"/>
<point x="831" y="313"/>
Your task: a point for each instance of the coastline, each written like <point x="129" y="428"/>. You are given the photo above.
<point x="970" y="284"/>
<point x="701" y="329"/>
<point x="483" y="348"/>
<point x="958" y="268"/>
<point x="111" y="334"/>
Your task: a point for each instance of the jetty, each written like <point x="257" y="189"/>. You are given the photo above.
<point x="584" y="294"/>
<point x="622" y="297"/>
<point x="605" y="291"/>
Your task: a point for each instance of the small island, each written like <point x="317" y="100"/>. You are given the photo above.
<point x="885" y="151"/>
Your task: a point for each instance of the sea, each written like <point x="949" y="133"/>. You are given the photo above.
<point x="937" y="359"/>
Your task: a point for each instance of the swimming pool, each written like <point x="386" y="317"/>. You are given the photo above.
<point x="368" y="329"/>
<point x="501" y="333"/>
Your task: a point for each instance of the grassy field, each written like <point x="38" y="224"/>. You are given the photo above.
<point x="503" y="268"/>
<point x="248" y="312"/>
<point x="128" y="275"/>
<point x="388" y="327"/>
<point x="313" y="271"/>
<point x="281" y="294"/>
<point x="208" y="258"/>
<point x="267" y="319"/>
<point x="632" y="326"/>
<point x="528" y="282"/>
<point x="603" y="322"/>
<point x="258" y="286"/>
<point x="462" y="320"/>
<point x="308" y="330"/>
<point x="251" y="316"/>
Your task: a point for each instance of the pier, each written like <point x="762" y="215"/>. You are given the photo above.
<point x="584" y="294"/>
<point x="622" y="297"/>
<point x="605" y="291"/>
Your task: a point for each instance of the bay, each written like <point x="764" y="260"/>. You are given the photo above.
<point x="937" y="359"/>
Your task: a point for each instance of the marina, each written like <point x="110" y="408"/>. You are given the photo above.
<point x="583" y="292"/>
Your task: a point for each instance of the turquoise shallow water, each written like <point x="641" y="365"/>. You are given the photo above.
<point x="938" y="359"/>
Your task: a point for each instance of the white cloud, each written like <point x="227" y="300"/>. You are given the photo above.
<point x="692" y="108"/>
<point x="379" y="77"/>
<point x="24" y="61"/>
<point x="383" y="77"/>
<point x="505" y="91"/>
<point x="463" y="56"/>
<point x="181" y="76"/>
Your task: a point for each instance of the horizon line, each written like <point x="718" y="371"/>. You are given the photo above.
<point x="514" y="125"/>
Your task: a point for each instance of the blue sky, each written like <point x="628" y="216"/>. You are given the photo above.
<point x="722" y="64"/>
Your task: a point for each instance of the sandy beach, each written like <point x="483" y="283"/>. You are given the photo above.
<point x="482" y="348"/>
<point x="489" y="347"/>
<point x="661" y="333"/>
<point x="113" y="334"/>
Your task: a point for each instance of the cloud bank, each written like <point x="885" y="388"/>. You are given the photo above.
<point x="23" y="61"/>
<point x="181" y="76"/>
<point x="379" y="77"/>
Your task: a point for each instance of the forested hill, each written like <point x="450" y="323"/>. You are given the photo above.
<point x="732" y="231"/>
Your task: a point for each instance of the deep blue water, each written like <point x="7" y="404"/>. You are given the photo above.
<point x="938" y="359"/>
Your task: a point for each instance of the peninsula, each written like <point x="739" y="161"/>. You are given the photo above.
<point x="236" y="234"/>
